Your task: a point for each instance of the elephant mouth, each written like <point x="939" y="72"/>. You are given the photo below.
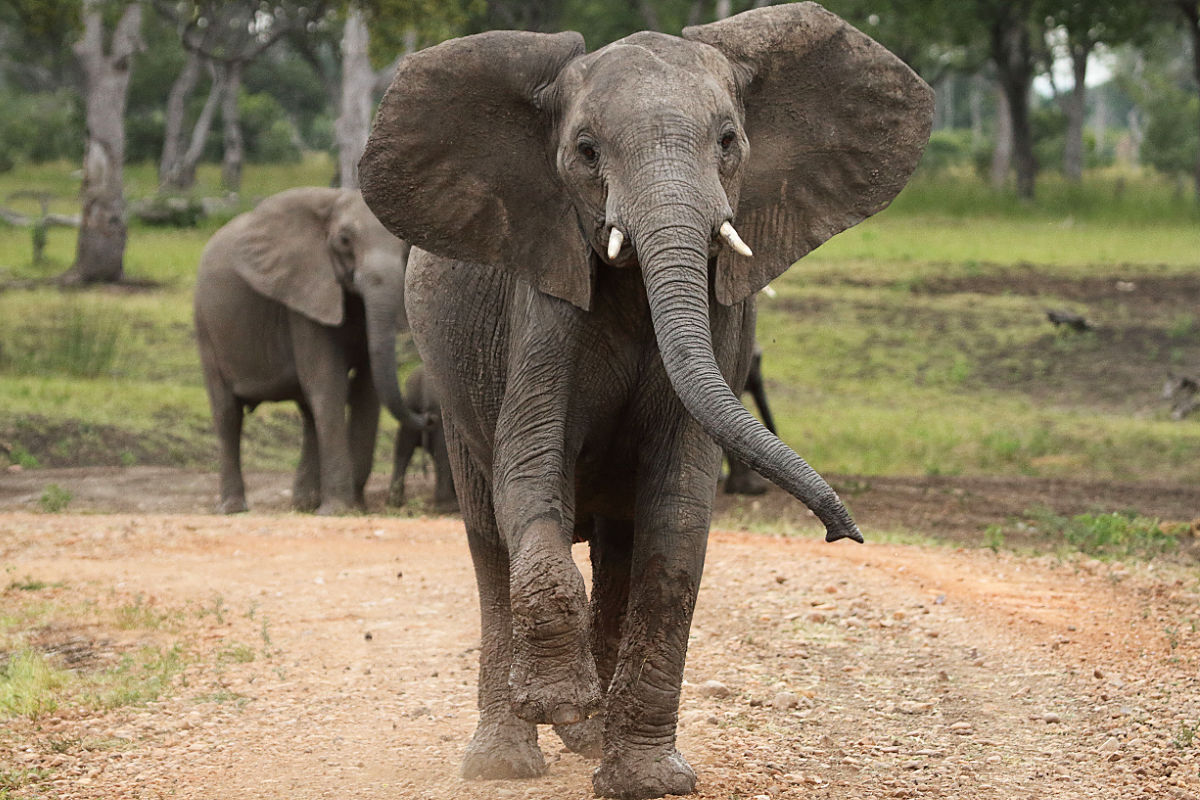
<point x="623" y="254"/>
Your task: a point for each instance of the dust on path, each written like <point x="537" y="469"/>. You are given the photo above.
<point x="874" y="671"/>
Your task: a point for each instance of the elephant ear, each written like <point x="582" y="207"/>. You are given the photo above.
<point x="460" y="161"/>
<point x="284" y="253"/>
<point x="836" y="125"/>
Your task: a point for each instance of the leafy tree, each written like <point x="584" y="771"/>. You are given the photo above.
<point x="1084" y="25"/>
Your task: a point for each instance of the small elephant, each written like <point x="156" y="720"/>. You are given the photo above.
<point x="423" y="401"/>
<point x="301" y="299"/>
<point x="580" y="293"/>
<point x="742" y="479"/>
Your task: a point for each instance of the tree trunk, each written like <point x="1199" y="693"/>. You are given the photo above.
<point x="353" y="124"/>
<point x="1191" y="13"/>
<point x="723" y="9"/>
<point x="1074" y="105"/>
<point x="181" y="91"/>
<point x="1002" y="148"/>
<point x="975" y="103"/>
<point x="1012" y="53"/>
<point x="100" y="248"/>
<point x="234" y="146"/>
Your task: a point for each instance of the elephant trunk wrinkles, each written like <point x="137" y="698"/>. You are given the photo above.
<point x="674" y="258"/>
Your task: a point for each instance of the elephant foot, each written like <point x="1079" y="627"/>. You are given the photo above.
<point x="335" y="507"/>
<point x="640" y="774"/>
<point x="305" y="502"/>
<point x="232" y="505"/>
<point x="553" y="676"/>
<point x="395" y="498"/>
<point x="503" y="750"/>
<point x="585" y="738"/>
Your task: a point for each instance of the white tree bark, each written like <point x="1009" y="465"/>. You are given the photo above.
<point x="234" y="144"/>
<point x="100" y="248"/>
<point x="353" y="124"/>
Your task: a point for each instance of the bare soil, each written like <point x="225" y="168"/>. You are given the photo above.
<point x="872" y="671"/>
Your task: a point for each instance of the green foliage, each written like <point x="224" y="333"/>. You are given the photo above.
<point x="36" y="128"/>
<point x="54" y="499"/>
<point x="29" y="685"/>
<point x="77" y="338"/>
<point x="1121" y="534"/>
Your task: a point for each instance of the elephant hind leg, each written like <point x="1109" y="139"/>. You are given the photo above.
<point x="228" y="413"/>
<point x="503" y="745"/>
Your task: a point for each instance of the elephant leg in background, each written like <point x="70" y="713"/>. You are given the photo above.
<point x="445" y="497"/>
<point x="306" y="488"/>
<point x="408" y="439"/>
<point x="611" y="553"/>
<point x="640" y="758"/>
<point x="742" y="479"/>
<point x="317" y="356"/>
<point x="503" y="746"/>
<point x="364" y="425"/>
<point x="228" y="413"/>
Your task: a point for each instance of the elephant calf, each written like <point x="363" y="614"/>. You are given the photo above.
<point x="423" y="401"/>
<point x="301" y="299"/>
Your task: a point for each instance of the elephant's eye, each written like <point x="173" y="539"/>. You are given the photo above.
<point x="587" y="151"/>
<point x="728" y="139"/>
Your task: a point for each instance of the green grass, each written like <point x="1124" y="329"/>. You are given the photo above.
<point x="874" y="366"/>
<point x="1123" y="535"/>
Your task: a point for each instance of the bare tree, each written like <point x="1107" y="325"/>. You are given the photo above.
<point x="226" y="35"/>
<point x="100" y="248"/>
<point x="360" y="85"/>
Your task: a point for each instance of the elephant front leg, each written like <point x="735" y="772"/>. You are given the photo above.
<point x="503" y="746"/>
<point x="640" y="759"/>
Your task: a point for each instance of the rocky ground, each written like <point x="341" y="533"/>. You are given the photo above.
<point x="336" y="658"/>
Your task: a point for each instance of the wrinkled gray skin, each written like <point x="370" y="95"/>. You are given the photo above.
<point x="301" y="299"/>
<point x="422" y="400"/>
<point x="741" y="479"/>
<point x="586" y="397"/>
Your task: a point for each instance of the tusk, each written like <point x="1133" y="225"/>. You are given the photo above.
<point x="615" y="240"/>
<point x="735" y="241"/>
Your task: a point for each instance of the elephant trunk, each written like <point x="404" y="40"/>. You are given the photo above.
<point x="674" y="258"/>
<point x="383" y="323"/>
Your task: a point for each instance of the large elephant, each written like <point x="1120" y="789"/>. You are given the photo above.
<point x="301" y="299"/>
<point x="422" y="399"/>
<point x="579" y="292"/>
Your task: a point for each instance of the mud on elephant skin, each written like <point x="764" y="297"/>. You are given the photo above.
<point x="300" y="299"/>
<point x="422" y="399"/>
<point x="580" y="292"/>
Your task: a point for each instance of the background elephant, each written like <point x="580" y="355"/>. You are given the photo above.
<point x="301" y="299"/>
<point x="742" y="479"/>
<point x="422" y="400"/>
<point x="585" y="303"/>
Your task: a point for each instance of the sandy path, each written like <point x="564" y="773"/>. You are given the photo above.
<point x="872" y="671"/>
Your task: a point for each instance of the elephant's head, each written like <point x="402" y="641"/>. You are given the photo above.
<point x="521" y="151"/>
<point x="307" y="247"/>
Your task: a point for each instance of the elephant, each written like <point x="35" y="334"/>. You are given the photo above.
<point x="580" y="291"/>
<point x="422" y="400"/>
<point x="301" y="299"/>
<point x="741" y="479"/>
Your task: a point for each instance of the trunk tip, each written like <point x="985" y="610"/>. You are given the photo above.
<point x="833" y="533"/>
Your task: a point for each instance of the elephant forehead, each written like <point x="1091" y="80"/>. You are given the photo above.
<point x="652" y="70"/>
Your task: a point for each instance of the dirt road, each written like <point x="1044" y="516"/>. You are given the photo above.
<point x="336" y="658"/>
